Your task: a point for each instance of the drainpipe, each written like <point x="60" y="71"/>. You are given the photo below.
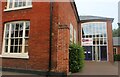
<point x="50" y="43"/>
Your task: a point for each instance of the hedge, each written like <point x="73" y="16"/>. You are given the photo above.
<point x="117" y="57"/>
<point x="76" y="58"/>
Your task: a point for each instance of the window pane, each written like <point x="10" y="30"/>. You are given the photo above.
<point x="29" y="2"/>
<point x="21" y="30"/>
<point x="21" y="26"/>
<point x="16" y="41"/>
<point x="6" y="42"/>
<point x="20" y="3"/>
<point x="24" y="2"/>
<point x="6" y="49"/>
<point x="101" y="41"/>
<point x="71" y="33"/>
<point x="27" y="25"/>
<point x="105" y="41"/>
<point x="10" y="3"/>
<point x="16" y="49"/>
<point x="114" y="51"/>
<point x="16" y="3"/>
<point x="16" y="33"/>
<point x="12" y="33"/>
<point x="13" y="27"/>
<point x="7" y="27"/>
<point x="21" y="34"/>
<point x="26" y="33"/>
<point x="26" y="41"/>
<point x="7" y="34"/>
<point x="75" y="36"/>
<point x="105" y="35"/>
<point x="26" y="49"/>
<point x="17" y="27"/>
<point x="12" y="41"/>
<point x="20" y="49"/>
<point x="20" y="41"/>
<point x="11" y="49"/>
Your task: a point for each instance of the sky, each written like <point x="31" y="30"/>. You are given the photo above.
<point x="104" y="8"/>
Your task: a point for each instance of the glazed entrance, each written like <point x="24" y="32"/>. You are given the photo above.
<point x="96" y="53"/>
<point x="94" y="41"/>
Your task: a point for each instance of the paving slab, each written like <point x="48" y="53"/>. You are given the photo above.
<point x="99" y="68"/>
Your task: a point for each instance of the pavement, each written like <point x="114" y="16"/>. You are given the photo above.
<point x="99" y="68"/>
<point x="13" y="73"/>
<point x="90" y="68"/>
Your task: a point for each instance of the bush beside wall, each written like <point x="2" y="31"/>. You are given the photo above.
<point x="76" y="58"/>
<point x="117" y="57"/>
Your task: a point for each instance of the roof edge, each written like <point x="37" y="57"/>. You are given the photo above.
<point x="75" y="10"/>
<point x="92" y="18"/>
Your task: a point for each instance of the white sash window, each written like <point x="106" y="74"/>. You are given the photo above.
<point x="18" y="4"/>
<point x="15" y="40"/>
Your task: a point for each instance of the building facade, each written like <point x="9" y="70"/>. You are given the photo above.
<point x="116" y="45"/>
<point x="96" y="38"/>
<point x="36" y="35"/>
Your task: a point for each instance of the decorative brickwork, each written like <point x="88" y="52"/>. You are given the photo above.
<point x="63" y="49"/>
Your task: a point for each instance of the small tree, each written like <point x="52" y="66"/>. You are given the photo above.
<point x="76" y="58"/>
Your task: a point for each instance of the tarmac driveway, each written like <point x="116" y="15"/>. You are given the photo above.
<point x="99" y="68"/>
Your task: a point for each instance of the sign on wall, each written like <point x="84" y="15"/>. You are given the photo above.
<point x="87" y="41"/>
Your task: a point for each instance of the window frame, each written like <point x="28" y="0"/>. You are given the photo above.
<point x="96" y="28"/>
<point x="16" y="8"/>
<point x="8" y="54"/>
<point x="71" y="33"/>
<point x="115" y="52"/>
<point x="75" y="36"/>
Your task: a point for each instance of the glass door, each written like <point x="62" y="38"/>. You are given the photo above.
<point x="88" y="52"/>
<point x="103" y="52"/>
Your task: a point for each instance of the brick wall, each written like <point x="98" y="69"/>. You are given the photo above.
<point x="0" y="30"/>
<point x="118" y="49"/>
<point x="110" y="41"/>
<point x="62" y="17"/>
<point x="39" y="17"/>
<point x="0" y="26"/>
<point x="79" y="33"/>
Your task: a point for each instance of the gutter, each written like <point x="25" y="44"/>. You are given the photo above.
<point x="50" y="42"/>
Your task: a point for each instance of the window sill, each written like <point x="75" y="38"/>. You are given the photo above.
<point x="15" y="55"/>
<point x="18" y="8"/>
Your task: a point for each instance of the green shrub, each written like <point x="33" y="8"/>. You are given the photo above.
<point x="76" y="58"/>
<point x="117" y="57"/>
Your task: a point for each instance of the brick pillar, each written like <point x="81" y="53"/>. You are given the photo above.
<point x="63" y="49"/>
<point x="110" y="41"/>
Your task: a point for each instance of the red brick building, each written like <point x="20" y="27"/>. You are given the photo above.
<point x="36" y="35"/>
<point x="116" y="45"/>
